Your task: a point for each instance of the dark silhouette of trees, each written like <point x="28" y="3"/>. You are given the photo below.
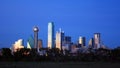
<point x="56" y="55"/>
<point x="115" y="54"/>
<point x="6" y="54"/>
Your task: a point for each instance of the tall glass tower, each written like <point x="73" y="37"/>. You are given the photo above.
<point x="51" y="35"/>
<point x="97" y="43"/>
<point x="30" y="42"/>
<point x="91" y="43"/>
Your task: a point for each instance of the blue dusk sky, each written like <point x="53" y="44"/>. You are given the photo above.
<point x="75" y="17"/>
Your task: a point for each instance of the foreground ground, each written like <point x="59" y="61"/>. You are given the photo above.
<point x="59" y="65"/>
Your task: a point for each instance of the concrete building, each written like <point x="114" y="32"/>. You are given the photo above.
<point x="40" y="43"/>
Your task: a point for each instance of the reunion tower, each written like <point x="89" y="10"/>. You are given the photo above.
<point x="36" y="29"/>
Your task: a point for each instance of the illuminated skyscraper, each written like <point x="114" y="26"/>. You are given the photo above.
<point x="35" y="29"/>
<point x="82" y="41"/>
<point x="51" y="35"/>
<point x="97" y="40"/>
<point x="30" y="42"/>
<point x="91" y="43"/>
<point x="59" y="39"/>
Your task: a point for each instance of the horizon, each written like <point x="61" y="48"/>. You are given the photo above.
<point x="76" y="18"/>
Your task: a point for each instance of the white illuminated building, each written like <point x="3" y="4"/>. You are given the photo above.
<point x="97" y="43"/>
<point x="82" y="41"/>
<point x="51" y="35"/>
<point x="59" y="39"/>
<point x="17" y="45"/>
<point x="91" y="43"/>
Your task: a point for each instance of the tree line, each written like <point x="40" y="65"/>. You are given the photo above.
<point x="56" y="55"/>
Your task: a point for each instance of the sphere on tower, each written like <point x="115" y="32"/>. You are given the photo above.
<point x="35" y="29"/>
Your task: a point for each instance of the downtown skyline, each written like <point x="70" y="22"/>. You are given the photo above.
<point x="60" y="42"/>
<point x="76" y="18"/>
<point x="57" y="39"/>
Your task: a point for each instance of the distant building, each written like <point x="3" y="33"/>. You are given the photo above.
<point x="17" y="45"/>
<point x="30" y="42"/>
<point x="67" y="39"/>
<point x="82" y="41"/>
<point x="97" y="40"/>
<point x="40" y="43"/>
<point x="59" y="39"/>
<point x="91" y="43"/>
<point x="51" y="35"/>
<point x="28" y="46"/>
<point x="74" y="48"/>
<point x="66" y="45"/>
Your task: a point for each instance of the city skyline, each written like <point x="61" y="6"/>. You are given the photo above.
<point x="76" y="18"/>
<point x="59" y="41"/>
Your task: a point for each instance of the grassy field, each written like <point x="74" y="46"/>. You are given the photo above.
<point x="59" y="65"/>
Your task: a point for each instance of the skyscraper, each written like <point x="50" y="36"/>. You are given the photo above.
<point x="51" y="35"/>
<point x="40" y="43"/>
<point x="67" y="39"/>
<point x="82" y="41"/>
<point x="59" y="39"/>
<point x="35" y="29"/>
<point x="30" y="42"/>
<point x="91" y="43"/>
<point x="67" y="43"/>
<point x="97" y="40"/>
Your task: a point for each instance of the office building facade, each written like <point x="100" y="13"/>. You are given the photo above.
<point x="40" y="43"/>
<point x="97" y="40"/>
<point x="82" y="41"/>
<point x="59" y="39"/>
<point x="51" y="35"/>
<point x="30" y="42"/>
<point x="91" y="43"/>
